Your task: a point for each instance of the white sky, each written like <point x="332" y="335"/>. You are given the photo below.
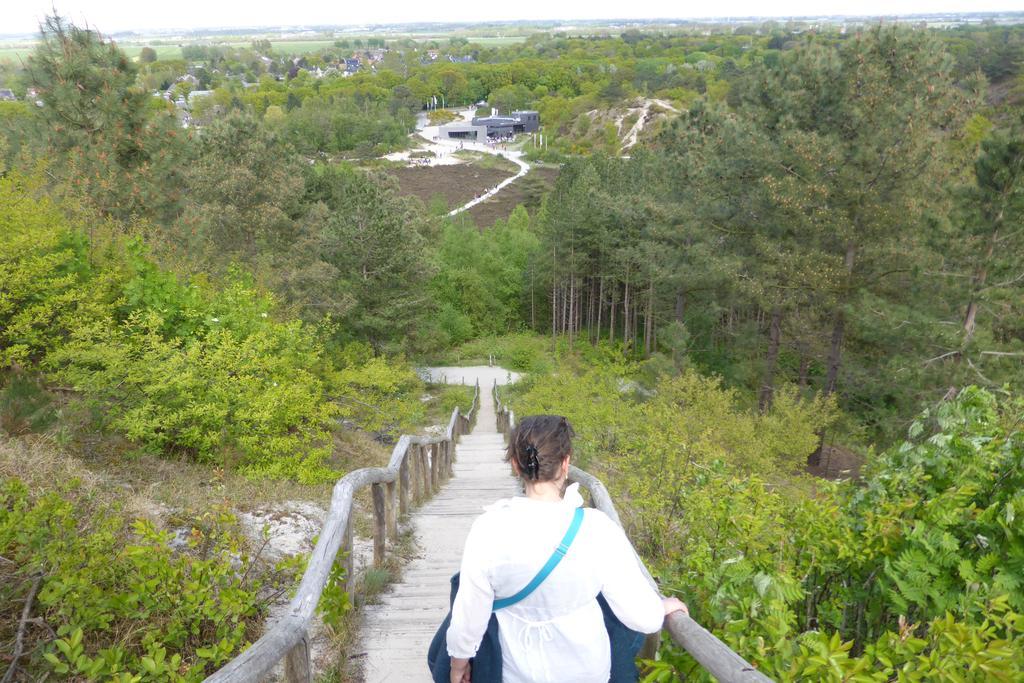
<point x="22" y="16"/>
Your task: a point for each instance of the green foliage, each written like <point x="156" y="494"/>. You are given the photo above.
<point x="375" y="241"/>
<point x="48" y="280"/>
<point x="244" y="401"/>
<point x="325" y="127"/>
<point x="178" y="367"/>
<point x="243" y="206"/>
<point x="685" y="424"/>
<point x="482" y="281"/>
<point x="448" y="398"/>
<point x="112" y="150"/>
<point x="378" y="394"/>
<point x="334" y="600"/>
<point x="25" y="406"/>
<point x="523" y="352"/>
<point x="124" y="603"/>
<point x="953" y="490"/>
<point x="915" y="573"/>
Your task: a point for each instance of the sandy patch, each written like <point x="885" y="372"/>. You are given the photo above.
<point x="487" y="375"/>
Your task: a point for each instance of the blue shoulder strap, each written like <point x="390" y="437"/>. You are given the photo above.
<point x="552" y="562"/>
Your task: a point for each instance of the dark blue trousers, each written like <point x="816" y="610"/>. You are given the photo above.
<point x="486" y="665"/>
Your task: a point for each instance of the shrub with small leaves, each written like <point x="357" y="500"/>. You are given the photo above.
<point x="128" y="601"/>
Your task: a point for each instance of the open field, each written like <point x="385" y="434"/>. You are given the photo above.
<point x="289" y="46"/>
<point x="490" y="161"/>
<point x="528" y="191"/>
<point x="489" y="41"/>
<point x="14" y="53"/>
<point x="22" y="51"/>
<point x="457" y="184"/>
<point x="18" y="51"/>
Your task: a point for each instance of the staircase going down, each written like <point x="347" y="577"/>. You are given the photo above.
<point x="397" y="632"/>
<point x="450" y="492"/>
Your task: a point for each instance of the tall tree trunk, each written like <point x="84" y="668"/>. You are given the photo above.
<point x="805" y="365"/>
<point x="764" y="400"/>
<point x="625" y="313"/>
<point x="554" y="297"/>
<point x="577" y="307"/>
<point x="572" y="287"/>
<point x="600" y="306"/>
<point x="571" y="302"/>
<point x="649" y="320"/>
<point x="635" y="316"/>
<point x="977" y="283"/>
<point x="611" y="313"/>
<point x="565" y="309"/>
<point x="839" y="329"/>
<point x="533" y="299"/>
<point x="589" y="301"/>
<point x="835" y="349"/>
<point x="680" y="306"/>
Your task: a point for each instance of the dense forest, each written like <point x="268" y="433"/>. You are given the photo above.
<point x="786" y="321"/>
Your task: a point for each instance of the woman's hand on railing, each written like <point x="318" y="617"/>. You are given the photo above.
<point x="675" y="605"/>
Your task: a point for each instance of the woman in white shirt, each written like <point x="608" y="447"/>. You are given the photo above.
<point x="557" y="633"/>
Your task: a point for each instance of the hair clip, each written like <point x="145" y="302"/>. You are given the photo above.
<point x="532" y="464"/>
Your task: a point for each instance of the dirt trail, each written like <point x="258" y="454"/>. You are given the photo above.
<point x="631" y="138"/>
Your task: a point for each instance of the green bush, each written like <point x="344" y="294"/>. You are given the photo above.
<point x="51" y="281"/>
<point x="447" y="397"/>
<point x="179" y="367"/>
<point x="523" y="352"/>
<point x="688" y="422"/>
<point x="913" y="574"/>
<point x="240" y="401"/>
<point x="481" y="285"/>
<point x="25" y="405"/>
<point x="125" y="605"/>
<point x="377" y="394"/>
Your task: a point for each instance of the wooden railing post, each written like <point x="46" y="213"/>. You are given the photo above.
<point x="391" y="509"/>
<point x="350" y="560"/>
<point x="417" y="477"/>
<point x="297" y="668"/>
<point x="378" y="525"/>
<point x="442" y="469"/>
<point x="428" y="486"/>
<point x="403" y="483"/>
<point x="435" y="451"/>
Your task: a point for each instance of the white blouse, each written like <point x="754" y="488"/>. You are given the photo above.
<point x="556" y="633"/>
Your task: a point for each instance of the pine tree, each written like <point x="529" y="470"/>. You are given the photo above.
<point x="108" y="147"/>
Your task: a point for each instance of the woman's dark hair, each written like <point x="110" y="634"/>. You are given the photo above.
<point x="539" y="445"/>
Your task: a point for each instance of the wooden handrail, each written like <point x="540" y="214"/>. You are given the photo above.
<point x="417" y="468"/>
<point x="715" y="656"/>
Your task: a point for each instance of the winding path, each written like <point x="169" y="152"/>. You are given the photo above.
<point x="442" y="146"/>
<point x="397" y="632"/>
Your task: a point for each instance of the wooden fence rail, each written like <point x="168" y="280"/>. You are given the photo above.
<point x="418" y="467"/>
<point x="710" y="652"/>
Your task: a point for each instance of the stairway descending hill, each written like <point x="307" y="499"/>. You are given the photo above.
<point x="397" y="632"/>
